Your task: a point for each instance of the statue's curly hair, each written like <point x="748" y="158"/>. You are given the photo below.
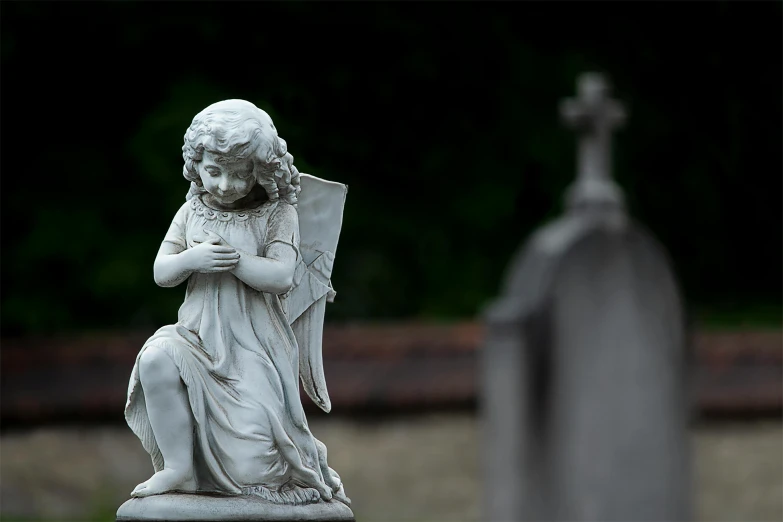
<point x="236" y="130"/>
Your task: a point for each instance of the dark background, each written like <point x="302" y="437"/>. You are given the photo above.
<point x="441" y="117"/>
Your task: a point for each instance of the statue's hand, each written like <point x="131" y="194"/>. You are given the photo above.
<point x="212" y="255"/>
<point x="209" y="236"/>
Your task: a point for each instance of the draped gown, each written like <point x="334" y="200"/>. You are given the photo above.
<point x="237" y="356"/>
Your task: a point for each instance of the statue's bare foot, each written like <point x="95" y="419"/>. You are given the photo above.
<point x="342" y="497"/>
<point x="165" y="481"/>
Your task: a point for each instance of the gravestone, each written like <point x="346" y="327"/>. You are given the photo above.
<point x="584" y="399"/>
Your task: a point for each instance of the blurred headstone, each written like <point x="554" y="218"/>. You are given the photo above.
<point x="584" y="398"/>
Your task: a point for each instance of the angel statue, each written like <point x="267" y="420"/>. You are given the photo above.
<point x="215" y="397"/>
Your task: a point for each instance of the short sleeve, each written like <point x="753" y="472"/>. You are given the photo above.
<point x="176" y="233"/>
<point x="283" y="227"/>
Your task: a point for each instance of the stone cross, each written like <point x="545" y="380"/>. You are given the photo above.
<point x="584" y="399"/>
<point x="594" y="115"/>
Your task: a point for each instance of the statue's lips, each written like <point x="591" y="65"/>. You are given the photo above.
<point x="227" y="198"/>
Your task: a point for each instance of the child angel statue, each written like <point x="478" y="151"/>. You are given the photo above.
<point x="215" y="398"/>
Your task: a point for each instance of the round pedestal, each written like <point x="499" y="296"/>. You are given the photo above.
<point x="181" y="507"/>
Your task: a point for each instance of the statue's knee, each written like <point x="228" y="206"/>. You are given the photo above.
<point x="157" y="369"/>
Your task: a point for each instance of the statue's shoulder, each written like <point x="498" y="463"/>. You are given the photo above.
<point x="283" y="211"/>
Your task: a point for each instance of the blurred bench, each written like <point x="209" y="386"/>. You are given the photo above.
<point x="370" y="369"/>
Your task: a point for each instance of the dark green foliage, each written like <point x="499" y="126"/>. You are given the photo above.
<point x="442" y="119"/>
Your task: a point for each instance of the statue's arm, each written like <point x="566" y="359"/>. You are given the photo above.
<point x="172" y="265"/>
<point x="273" y="273"/>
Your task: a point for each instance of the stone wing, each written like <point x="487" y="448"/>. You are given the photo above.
<point x="320" y="209"/>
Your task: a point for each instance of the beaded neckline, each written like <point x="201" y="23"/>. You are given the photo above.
<point x="202" y="209"/>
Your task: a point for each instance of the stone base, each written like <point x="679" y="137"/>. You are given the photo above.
<point x="181" y="507"/>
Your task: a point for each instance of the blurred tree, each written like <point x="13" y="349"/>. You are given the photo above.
<point x="442" y="119"/>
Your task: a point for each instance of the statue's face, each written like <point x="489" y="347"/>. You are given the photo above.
<point x="227" y="182"/>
